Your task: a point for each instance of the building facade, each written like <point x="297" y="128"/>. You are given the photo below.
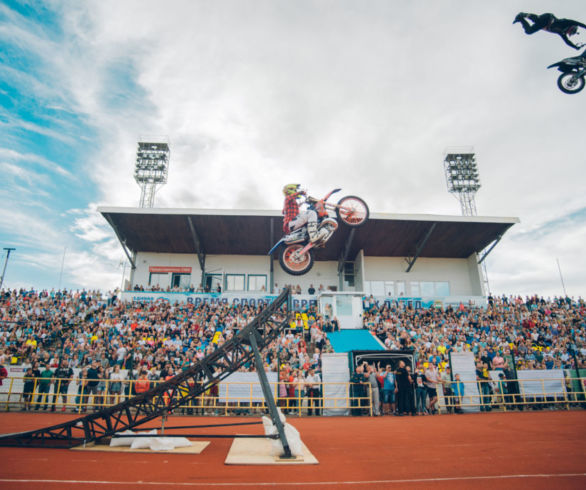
<point x="390" y="256"/>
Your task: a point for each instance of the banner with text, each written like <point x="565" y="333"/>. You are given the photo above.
<point x="424" y="302"/>
<point x="300" y="302"/>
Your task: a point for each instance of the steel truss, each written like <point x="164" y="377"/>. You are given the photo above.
<point x="177" y="391"/>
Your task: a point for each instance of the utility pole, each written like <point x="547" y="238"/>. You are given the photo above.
<point x="561" y="277"/>
<point x="62" y="265"/>
<point x="8" y="250"/>
<point x="123" y="265"/>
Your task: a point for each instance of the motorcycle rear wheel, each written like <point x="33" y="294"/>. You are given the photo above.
<point x="568" y="83"/>
<point x="352" y="211"/>
<point x="291" y="264"/>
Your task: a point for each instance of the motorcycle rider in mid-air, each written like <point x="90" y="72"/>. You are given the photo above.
<point x="293" y="218"/>
<point x="550" y="23"/>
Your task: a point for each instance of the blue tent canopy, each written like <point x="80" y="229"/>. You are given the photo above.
<point x="349" y="340"/>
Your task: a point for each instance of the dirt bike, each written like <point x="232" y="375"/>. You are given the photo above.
<point x="296" y="254"/>
<point x="571" y="81"/>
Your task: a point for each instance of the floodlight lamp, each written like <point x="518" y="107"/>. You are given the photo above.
<point x="462" y="177"/>
<point x="151" y="169"/>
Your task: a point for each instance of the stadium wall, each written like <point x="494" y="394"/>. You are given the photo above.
<point x="461" y="274"/>
<point x="461" y="277"/>
<point x="322" y="273"/>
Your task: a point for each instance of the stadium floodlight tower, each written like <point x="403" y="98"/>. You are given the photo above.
<point x="462" y="177"/>
<point x="152" y="168"/>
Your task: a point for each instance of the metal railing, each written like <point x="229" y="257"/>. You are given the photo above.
<point x="510" y="394"/>
<point x="242" y="398"/>
<point x="237" y="398"/>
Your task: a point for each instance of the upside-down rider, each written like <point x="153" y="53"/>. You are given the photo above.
<point x="550" y="23"/>
<point x="294" y="218"/>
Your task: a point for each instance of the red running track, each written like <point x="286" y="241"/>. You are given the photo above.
<point x="498" y="450"/>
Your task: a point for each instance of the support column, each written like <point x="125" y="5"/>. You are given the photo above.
<point x="344" y="257"/>
<point x="201" y="256"/>
<point x="266" y="389"/>
<point x="420" y="247"/>
<point x="271" y="288"/>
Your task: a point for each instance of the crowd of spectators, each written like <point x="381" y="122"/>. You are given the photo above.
<point x="53" y="332"/>
<point x="534" y="333"/>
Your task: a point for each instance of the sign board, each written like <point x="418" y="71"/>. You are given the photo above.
<point x="463" y="364"/>
<point x="300" y="302"/>
<point x="346" y="305"/>
<point x="245" y="387"/>
<point x="425" y="302"/>
<point x="541" y="383"/>
<point x="335" y="376"/>
<point x="165" y="269"/>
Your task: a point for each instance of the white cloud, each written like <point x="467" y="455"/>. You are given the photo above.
<point x="15" y="156"/>
<point x="364" y="96"/>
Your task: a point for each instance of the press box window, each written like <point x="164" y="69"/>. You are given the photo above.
<point x="377" y="288"/>
<point x="257" y="282"/>
<point x="159" y="279"/>
<point x="180" y="280"/>
<point x="235" y="282"/>
<point x="442" y="288"/>
<point x="212" y="281"/>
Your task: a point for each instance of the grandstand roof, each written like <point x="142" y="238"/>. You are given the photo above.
<point x="248" y="232"/>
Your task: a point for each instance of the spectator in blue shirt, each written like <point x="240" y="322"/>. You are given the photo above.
<point x="458" y="391"/>
<point x="388" y="392"/>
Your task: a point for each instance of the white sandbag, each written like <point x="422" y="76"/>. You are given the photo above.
<point x="293" y="439"/>
<point x="143" y="442"/>
<point x="267" y="423"/>
<point x="181" y="442"/>
<point x="281" y="415"/>
<point x="292" y="429"/>
<point x="122" y="441"/>
<point x="161" y="443"/>
<point x="169" y="443"/>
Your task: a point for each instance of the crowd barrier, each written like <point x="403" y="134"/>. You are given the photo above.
<point x="509" y="394"/>
<point x="237" y="398"/>
<point x="19" y="393"/>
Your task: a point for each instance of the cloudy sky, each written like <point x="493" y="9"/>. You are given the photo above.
<point x="364" y="94"/>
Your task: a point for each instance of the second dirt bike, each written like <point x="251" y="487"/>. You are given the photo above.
<point x="571" y="81"/>
<point x="296" y="254"/>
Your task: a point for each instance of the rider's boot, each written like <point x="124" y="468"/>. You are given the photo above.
<point x="322" y="233"/>
<point x="315" y="234"/>
<point x="312" y="232"/>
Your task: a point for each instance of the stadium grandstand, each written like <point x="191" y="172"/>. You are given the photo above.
<point x="395" y="312"/>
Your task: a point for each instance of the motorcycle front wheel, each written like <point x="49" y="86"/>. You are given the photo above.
<point x="293" y="264"/>
<point x="352" y="210"/>
<point x="570" y="84"/>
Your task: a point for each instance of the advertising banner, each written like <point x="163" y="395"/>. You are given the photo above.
<point x="336" y="376"/>
<point x="165" y="269"/>
<point x="245" y="387"/>
<point x="541" y="383"/>
<point x="464" y="365"/>
<point x="424" y="302"/>
<point x="300" y="302"/>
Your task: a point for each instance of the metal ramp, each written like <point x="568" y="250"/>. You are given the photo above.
<point x="190" y="384"/>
